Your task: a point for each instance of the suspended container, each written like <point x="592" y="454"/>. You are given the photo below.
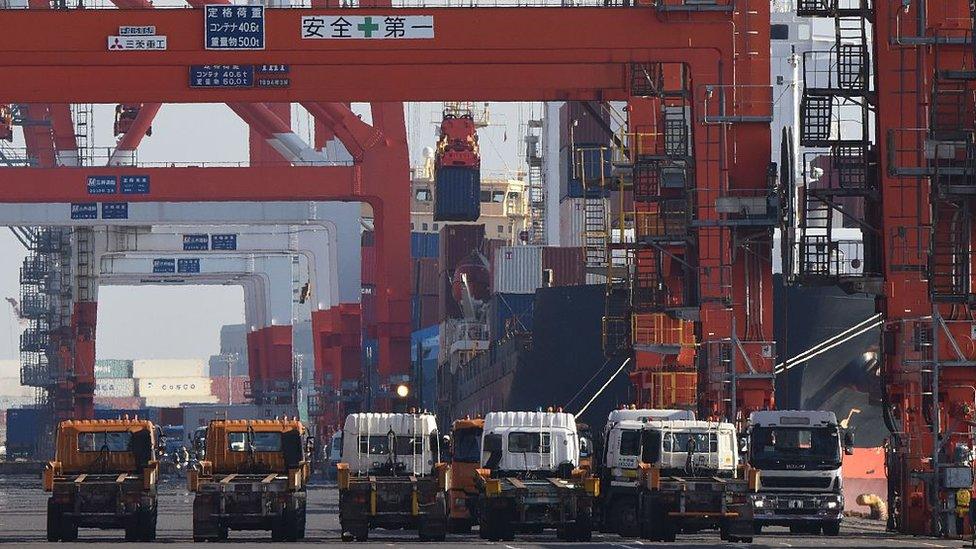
<point x="457" y="193"/>
<point x="672" y="389"/>
<point x="517" y="270"/>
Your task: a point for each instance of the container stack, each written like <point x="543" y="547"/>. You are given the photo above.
<point x="171" y="382"/>
<point x="13" y="395"/>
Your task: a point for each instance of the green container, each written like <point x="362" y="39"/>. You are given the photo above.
<point x="112" y="368"/>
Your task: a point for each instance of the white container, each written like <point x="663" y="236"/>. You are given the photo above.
<point x="517" y="270"/>
<point x="10" y="386"/>
<point x="179" y="401"/>
<point x="9" y="368"/>
<point x="7" y="401"/>
<point x="174" y="386"/>
<point x="183" y="367"/>
<point x="571" y="222"/>
<point x="115" y="387"/>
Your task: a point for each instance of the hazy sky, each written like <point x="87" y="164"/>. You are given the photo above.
<point x="179" y="322"/>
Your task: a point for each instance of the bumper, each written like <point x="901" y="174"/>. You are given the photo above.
<point x="787" y="509"/>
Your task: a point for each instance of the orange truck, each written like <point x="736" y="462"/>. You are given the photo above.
<point x="104" y="475"/>
<point x="253" y="476"/>
<point x="465" y="459"/>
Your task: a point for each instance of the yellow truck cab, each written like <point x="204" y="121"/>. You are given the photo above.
<point x="104" y="475"/>
<point x="253" y="476"/>
<point x="463" y="464"/>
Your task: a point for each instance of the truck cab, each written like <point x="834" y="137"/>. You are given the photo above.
<point x="391" y="475"/>
<point x="253" y="476"/>
<point x="464" y="461"/>
<point x="618" y="466"/>
<point x="104" y="475"/>
<point x="689" y="480"/>
<point x="799" y="454"/>
<point x="530" y="478"/>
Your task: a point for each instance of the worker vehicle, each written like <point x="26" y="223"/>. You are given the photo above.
<point x="530" y="478"/>
<point x="253" y="476"/>
<point x="464" y="461"/>
<point x="391" y="475"/>
<point x="104" y="475"/>
<point x="799" y="456"/>
<point x="6" y="123"/>
<point x="617" y="467"/>
<point x="689" y="479"/>
<point x="333" y="455"/>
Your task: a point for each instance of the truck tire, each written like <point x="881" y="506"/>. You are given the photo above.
<point x="69" y="530"/>
<point x="358" y="531"/>
<point x="624" y="517"/>
<point x="53" y="520"/>
<point x="831" y="528"/>
<point x="458" y="526"/>
<point x="582" y="528"/>
<point x="432" y="529"/>
<point x="146" y="524"/>
<point x="205" y="528"/>
<point x="498" y="525"/>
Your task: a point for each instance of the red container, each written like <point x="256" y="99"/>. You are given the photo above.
<point x="424" y="276"/>
<point x="566" y="264"/>
<point x="171" y="416"/>
<point x="224" y="388"/>
<point x="428" y="311"/>
<point x="447" y="307"/>
<point x="456" y="243"/>
<point x="368" y="265"/>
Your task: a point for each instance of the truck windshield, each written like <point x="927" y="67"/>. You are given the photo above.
<point x="112" y="441"/>
<point x="698" y="442"/>
<point x="379" y="445"/>
<point x="467" y="446"/>
<point x="630" y="442"/>
<point x="776" y="445"/>
<point x="261" y="442"/>
<point x="519" y="442"/>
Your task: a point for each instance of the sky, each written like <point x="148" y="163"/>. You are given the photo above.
<point x="184" y="322"/>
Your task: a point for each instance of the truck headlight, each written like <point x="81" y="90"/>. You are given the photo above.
<point x="758" y="503"/>
<point x="831" y="505"/>
<point x="833" y="502"/>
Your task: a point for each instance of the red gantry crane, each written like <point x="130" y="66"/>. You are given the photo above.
<point x="700" y="106"/>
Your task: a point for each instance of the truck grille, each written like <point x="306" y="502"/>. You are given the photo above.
<point x="797" y="482"/>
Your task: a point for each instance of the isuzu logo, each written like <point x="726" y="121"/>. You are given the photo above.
<point x="795" y="466"/>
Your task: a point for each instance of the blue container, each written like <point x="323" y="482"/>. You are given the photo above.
<point x="511" y="313"/>
<point x="457" y="194"/>
<point x="424" y="244"/>
<point x="23" y="427"/>
<point x="587" y="163"/>
<point x="152" y="414"/>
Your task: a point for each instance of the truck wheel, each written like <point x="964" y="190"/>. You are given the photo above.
<point x="757" y="528"/>
<point x="831" y="528"/>
<point x="624" y="517"/>
<point x="458" y="526"/>
<point x="300" y="523"/>
<point x="432" y="529"/>
<point x="204" y="528"/>
<point x="146" y="524"/>
<point x="53" y="520"/>
<point x="354" y="531"/>
<point x="582" y="529"/>
<point x="69" y="530"/>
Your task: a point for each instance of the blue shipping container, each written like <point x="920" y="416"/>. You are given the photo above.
<point x="588" y="163"/>
<point x="511" y="313"/>
<point x="457" y="194"/>
<point x="152" y="414"/>
<point x="424" y="244"/>
<point x="23" y="426"/>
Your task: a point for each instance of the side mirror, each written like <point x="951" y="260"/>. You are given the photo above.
<point x="848" y="443"/>
<point x="493" y="443"/>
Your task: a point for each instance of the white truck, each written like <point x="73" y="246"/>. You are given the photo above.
<point x="799" y="455"/>
<point x="675" y="476"/>
<point x="530" y="478"/>
<point x="616" y="466"/>
<point x="391" y="475"/>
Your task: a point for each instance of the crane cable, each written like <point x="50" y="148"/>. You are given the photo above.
<point x="830" y="343"/>
<point x="605" y="385"/>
